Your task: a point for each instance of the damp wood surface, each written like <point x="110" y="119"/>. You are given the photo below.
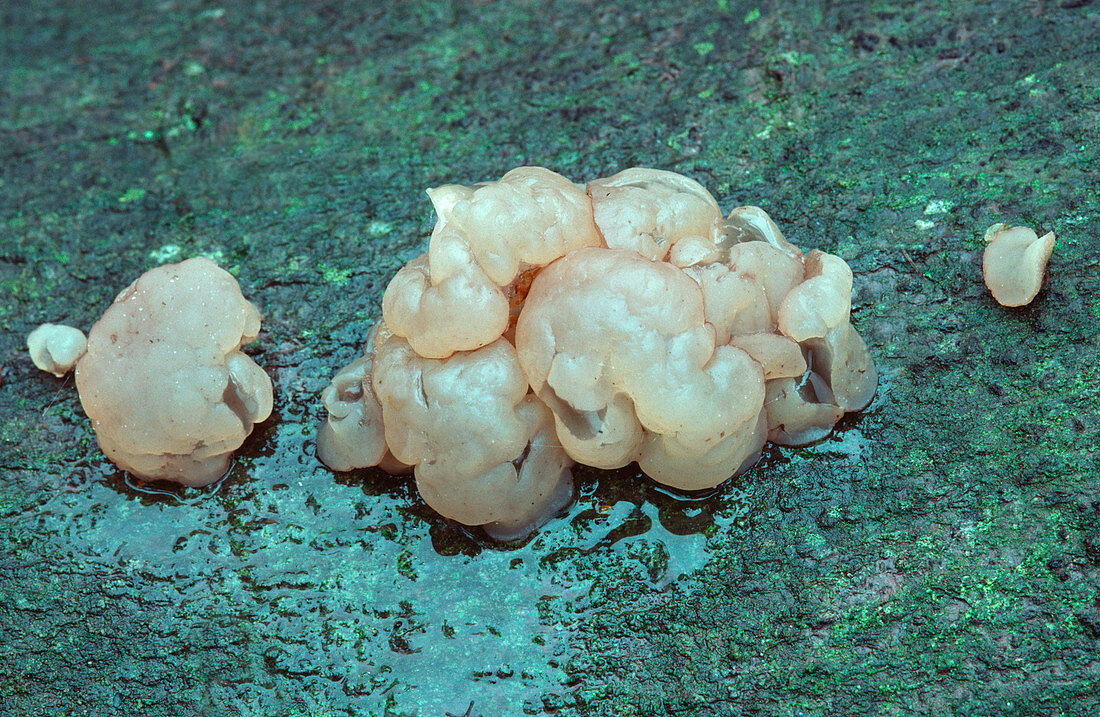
<point x="940" y="554"/>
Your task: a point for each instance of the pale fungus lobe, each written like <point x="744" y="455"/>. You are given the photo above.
<point x="649" y="210"/>
<point x="352" y="436"/>
<point x="629" y="322"/>
<point x="462" y="293"/>
<point x="164" y="382"/>
<point x="56" y="348"/>
<point x="609" y="333"/>
<point x="1014" y="262"/>
<point x="482" y="448"/>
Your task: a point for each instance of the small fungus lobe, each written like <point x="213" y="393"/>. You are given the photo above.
<point x="1014" y="262"/>
<point x="56" y="348"/>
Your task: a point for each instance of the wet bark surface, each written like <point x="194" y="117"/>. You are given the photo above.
<point x="940" y="554"/>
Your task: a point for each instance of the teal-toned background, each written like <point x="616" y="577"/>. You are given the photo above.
<point x="939" y="555"/>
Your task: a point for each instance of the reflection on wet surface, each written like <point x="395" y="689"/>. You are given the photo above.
<point x="344" y="593"/>
<point x="348" y="593"/>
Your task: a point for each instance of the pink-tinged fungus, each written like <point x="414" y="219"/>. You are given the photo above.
<point x="650" y="210"/>
<point x="632" y="324"/>
<point x="164" y="382"/>
<point x="458" y="296"/>
<point x="482" y="449"/>
<point x="609" y="326"/>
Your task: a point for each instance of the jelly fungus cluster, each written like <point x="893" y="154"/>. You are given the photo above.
<point x="624" y="321"/>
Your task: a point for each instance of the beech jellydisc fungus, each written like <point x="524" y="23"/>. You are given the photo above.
<point x="626" y="321"/>
<point x="163" y="380"/>
<point x="1014" y="262"/>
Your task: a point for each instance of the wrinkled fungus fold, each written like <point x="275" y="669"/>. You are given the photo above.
<point x="169" y="393"/>
<point x="625" y="321"/>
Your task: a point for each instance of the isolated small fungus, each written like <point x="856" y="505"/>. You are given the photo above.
<point x="1014" y="262"/>
<point x="628" y="322"/>
<point x="56" y="348"/>
<point x="164" y="382"/>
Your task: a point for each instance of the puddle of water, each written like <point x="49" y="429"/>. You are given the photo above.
<point x="349" y="594"/>
<point x="345" y="594"/>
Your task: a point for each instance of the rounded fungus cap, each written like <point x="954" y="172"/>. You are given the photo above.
<point x="352" y="436"/>
<point x="775" y="271"/>
<point x="529" y="217"/>
<point x="650" y="210"/>
<point x="732" y="302"/>
<point x="56" y="348"/>
<point x="168" y="391"/>
<point x="686" y="465"/>
<point x="821" y="302"/>
<point x="749" y="223"/>
<point x="457" y="310"/>
<point x="1014" y="262"/>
